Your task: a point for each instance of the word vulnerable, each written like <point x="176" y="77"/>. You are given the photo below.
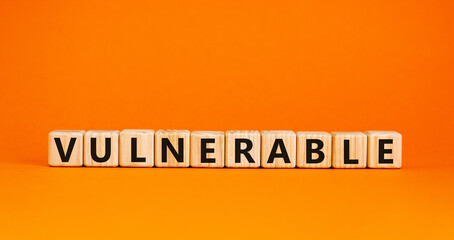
<point x="233" y="149"/>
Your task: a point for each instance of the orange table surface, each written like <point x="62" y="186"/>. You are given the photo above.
<point x="227" y="65"/>
<point x="46" y="202"/>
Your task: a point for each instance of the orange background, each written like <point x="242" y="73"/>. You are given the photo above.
<point x="224" y="65"/>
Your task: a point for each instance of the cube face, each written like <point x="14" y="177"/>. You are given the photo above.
<point x="207" y="149"/>
<point x="136" y="148"/>
<point x="278" y="149"/>
<point x="242" y="149"/>
<point x="384" y="149"/>
<point x="101" y="149"/>
<point x="349" y="149"/>
<point x="313" y="150"/>
<point x="172" y="148"/>
<point x="66" y="148"/>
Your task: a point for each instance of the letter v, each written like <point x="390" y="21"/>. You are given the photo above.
<point x="65" y="157"/>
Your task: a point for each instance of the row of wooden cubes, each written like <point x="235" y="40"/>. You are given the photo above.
<point x="236" y="149"/>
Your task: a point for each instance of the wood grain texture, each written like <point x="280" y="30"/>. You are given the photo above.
<point x="101" y="137"/>
<point x="395" y="147"/>
<point x="254" y="152"/>
<point x="62" y="138"/>
<point x="282" y="142"/>
<point x="301" y="152"/>
<point x="357" y="148"/>
<point x="173" y="137"/>
<point x="217" y="156"/>
<point x="144" y="144"/>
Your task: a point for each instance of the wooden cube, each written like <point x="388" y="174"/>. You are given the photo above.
<point x="101" y="149"/>
<point x="136" y="148"/>
<point x="384" y="149"/>
<point x="278" y="149"/>
<point x="242" y="149"/>
<point x="172" y="148"/>
<point x="313" y="150"/>
<point x="207" y="149"/>
<point x="66" y="148"/>
<point x="349" y="149"/>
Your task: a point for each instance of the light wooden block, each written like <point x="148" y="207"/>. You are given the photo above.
<point x="349" y="149"/>
<point x="105" y="149"/>
<point x="278" y="149"/>
<point x="384" y="149"/>
<point x="66" y="148"/>
<point x="172" y="148"/>
<point x="207" y="149"/>
<point x="313" y="150"/>
<point x="136" y="148"/>
<point x="242" y="149"/>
